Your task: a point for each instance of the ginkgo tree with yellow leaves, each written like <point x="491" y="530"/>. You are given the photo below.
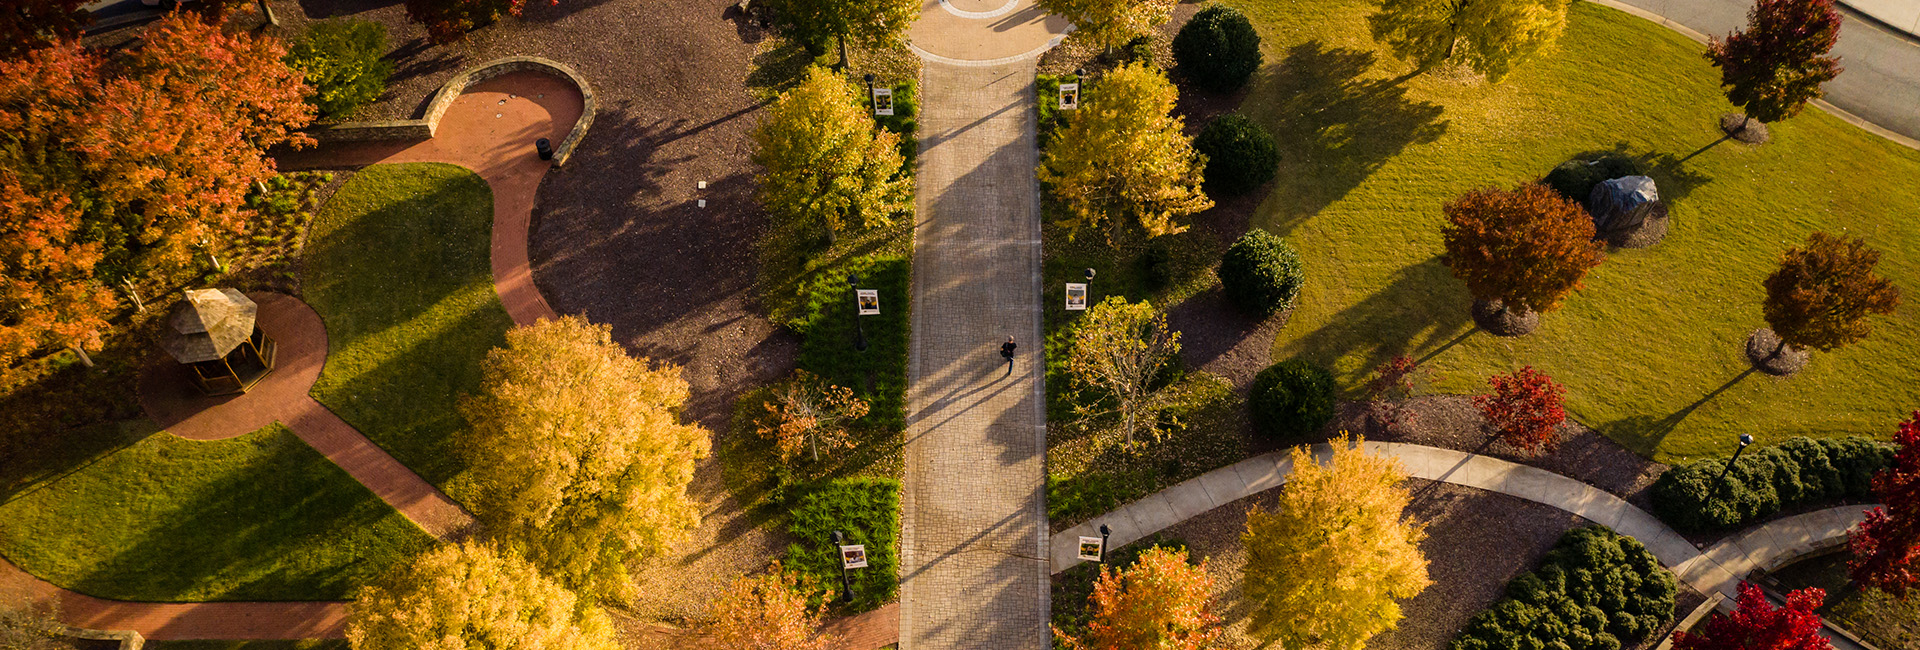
<point x="1489" y="36"/>
<point x="1109" y="23"/>
<point x="826" y="164"/>
<point x="1123" y="163"/>
<point x="1327" y="567"/>
<point x="578" y="455"/>
<point x="471" y="596"/>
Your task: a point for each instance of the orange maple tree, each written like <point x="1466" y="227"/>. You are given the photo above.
<point x="118" y="166"/>
<point x="1158" y="602"/>
<point x="1527" y="247"/>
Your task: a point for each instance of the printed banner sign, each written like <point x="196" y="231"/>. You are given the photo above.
<point x="1090" y="548"/>
<point x="853" y="556"/>
<point x="883" y="101"/>
<point x="1069" y="96"/>
<point x="869" y="302"/>
<point x="1076" y="297"/>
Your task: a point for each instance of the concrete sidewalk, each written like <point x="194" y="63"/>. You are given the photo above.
<point x="1903" y="15"/>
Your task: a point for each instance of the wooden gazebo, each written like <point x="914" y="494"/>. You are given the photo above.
<point x="213" y="332"/>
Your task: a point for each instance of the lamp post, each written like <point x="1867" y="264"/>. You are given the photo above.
<point x="870" y="105"/>
<point x="1744" y="441"/>
<point x="846" y="585"/>
<point x="859" y="333"/>
<point x="1104" y="530"/>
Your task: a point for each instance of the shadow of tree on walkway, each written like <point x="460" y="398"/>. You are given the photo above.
<point x="1336" y="128"/>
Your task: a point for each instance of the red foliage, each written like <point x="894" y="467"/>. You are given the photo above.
<point x="1524" y="408"/>
<point x="115" y="168"/>
<point x="1887" y="543"/>
<point x="1777" y="65"/>
<point x="27" y="25"/>
<point x="449" y="20"/>
<point x="1758" y="625"/>
<point x="1527" y="247"/>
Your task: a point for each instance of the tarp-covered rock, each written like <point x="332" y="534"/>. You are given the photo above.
<point x="1623" y="203"/>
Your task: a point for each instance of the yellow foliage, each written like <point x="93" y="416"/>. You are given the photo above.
<point x="1122" y="158"/>
<point x="578" y="453"/>
<point x="825" y="161"/>
<point x="1325" y="568"/>
<point x="769" y="612"/>
<point x="1490" y="36"/>
<point x="468" y="596"/>
<point x="1111" y="23"/>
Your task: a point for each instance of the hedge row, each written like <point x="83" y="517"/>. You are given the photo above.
<point x="867" y="509"/>
<point x="1596" y="590"/>
<point x="1797" y="472"/>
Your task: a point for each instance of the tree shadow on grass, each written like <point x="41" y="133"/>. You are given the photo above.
<point x="1335" y="128"/>
<point x="1645" y="433"/>
<point x="1422" y="310"/>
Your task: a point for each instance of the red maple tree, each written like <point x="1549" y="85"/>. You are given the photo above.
<point x="1524" y="408"/>
<point x="1886" y="544"/>
<point x="1527" y="247"/>
<point x="115" y="167"/>
<point x="1158" y="602"/>
<point x="27" y="25"/>
<point x="1777" y="65"/>
<point x="1757" y="625"/>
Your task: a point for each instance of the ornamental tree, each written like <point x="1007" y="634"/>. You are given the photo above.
<point x="116" y="167"/>
<point x="1527" y="247"/>
<point x="826" y="164"/>
<point x="578" y="453"/>
<point x="450" y="20"/>
<point x="768" y="612"/>
<point x="1523" y="409"/>
<point x="807" y="412"/>
<point x="1886" y="545"/>
<point x="1118" y="348"/>
<point x="1822" y="294"/>
<point x="1325" y="568"/>
<point x="870" y="23"/>
<point x="28" y="25"/>
<point x="1489" y="36"/>
<point x="1757" y="625"/>
<point x="470" y="596"/>
<point x="1108" y="23"/>
<point x="1159" y="602"/>
<point x="1123" y="161"/>
<point x="344" y="61"/>
<point x="1776" y="66"/>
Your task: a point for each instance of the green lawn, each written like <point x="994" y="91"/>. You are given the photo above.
<point x="1650" y="349"/>
<point x="397" y="265"/>
<point x="258" y="517"/>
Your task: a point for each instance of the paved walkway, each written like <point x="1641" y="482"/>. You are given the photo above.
<point x="1719" y="569"/>
<point x="1880" y="89"/>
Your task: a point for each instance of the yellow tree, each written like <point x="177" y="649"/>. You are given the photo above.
<point x="470" y="596"/>
<point x="1490" y="36"/>
<point x="1325" y="568"/>
<point x="1123" y="160"/>
<point x="1119" y="348"/>
<point x="826" y="164"/>
<point x="578" y="454"/>
<point x="768" y="612"/>
<point x="1110" y="23"/>
<point x="806" y="411"/>
<point x="1160" y="602"/>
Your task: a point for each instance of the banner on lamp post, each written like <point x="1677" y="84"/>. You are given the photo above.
<point x="1069" y="96"/>
<point x="869" y="302"/>
<point x="853" y="556"/>
<point x="1076" y="296"/>
<point x="883" y="101"/>
<point x="1090" y="548"/>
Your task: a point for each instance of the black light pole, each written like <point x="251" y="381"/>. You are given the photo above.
<point x="1744" y="441"/>
<point x="871" y="104"/>
<point x="846" y="586"/>
<point x="1104" y="530"/>
<point x="859" y="333"/>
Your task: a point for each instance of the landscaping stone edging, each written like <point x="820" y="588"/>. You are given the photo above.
<point x="129" y="639"/>
<point x="424" y="128"/>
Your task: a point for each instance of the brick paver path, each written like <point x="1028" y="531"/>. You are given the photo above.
<point x="974" y="527"/>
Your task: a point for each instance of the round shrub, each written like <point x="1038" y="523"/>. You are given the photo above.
<point x="1292" y="399"/>
<point x="1240" y="155"/>
<point x="1261" y="273"/>
<point x="1217" y="49"/>
<point x="341" y="61"/>
<point x="1575" y="179"/>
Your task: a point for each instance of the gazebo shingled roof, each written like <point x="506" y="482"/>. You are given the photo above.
<point x="208" y="324"/>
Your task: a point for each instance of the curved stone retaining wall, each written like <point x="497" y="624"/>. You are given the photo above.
<point x="423" y="128"/>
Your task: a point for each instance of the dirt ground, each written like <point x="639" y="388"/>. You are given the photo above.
<point x="618" y="233"/>
<point x="1476" y="542"/>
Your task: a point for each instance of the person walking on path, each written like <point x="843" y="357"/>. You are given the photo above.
<point x="1006" y="350"/>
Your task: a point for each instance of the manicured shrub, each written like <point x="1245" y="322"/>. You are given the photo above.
<point x="1292" y="399"/>
<point x="827" y="330"/>
<point x="1575" y="179"/>
<point x="341" y="60"/>
<point x="1218" y="49"/>
<point x="1261" y="273"/>
<point x="1241" y="156"/>
<point x="1596" y="590"/>
<point x="1797" y="472"/>
<point x="867" y="509"/>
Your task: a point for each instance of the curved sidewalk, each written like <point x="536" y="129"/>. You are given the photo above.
<point x="1719" y="569"/>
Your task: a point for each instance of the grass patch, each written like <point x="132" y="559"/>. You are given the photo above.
<point x="398" y="266"/>
<point x="1881" y="619"/>
<point x="867" y="509"/>
<point x="1650" y="349"/>
<point x="258" y="517"/>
